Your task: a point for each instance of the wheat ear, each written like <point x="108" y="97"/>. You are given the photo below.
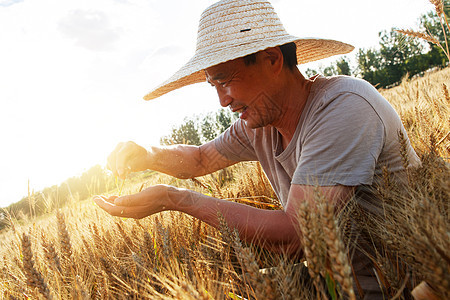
<point x="250" y="266"/>
<point x="439" y="6"/>
<point x="80" y="291"/>
<point x="420" y="35"/>
<point x="311" y="240"/>
<point x="340" y="265"/>
<point x="50" y="254"/>
<point x="127" y="239"/>
<point x="34" y="277"/>
<point x="64" y="238"/>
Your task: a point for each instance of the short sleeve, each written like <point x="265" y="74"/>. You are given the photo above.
<point x="341" y="144"/>
<point x="235" y="143"/>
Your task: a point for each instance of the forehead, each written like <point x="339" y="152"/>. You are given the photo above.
<point x="223" y="70"/>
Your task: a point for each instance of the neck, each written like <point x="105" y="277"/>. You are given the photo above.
<point x="292" y="96"/>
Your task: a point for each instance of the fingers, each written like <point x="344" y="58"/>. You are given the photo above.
<point x="119" y="211"/>
<point x="126" y="157"/>
<point x="109" y="199"/>
<point x="107" y="206"/>
<point x="129" y="200"/>
<point x="147" y="202"/>
<point x="155" y="195"/>
<point x="112" y="159"/>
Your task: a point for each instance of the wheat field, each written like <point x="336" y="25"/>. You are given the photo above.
<point x="80" y="252"/>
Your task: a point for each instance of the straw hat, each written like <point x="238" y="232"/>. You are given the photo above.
<point x="230" y="29"/>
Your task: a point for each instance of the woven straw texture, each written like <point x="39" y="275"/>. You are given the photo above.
<point x="231" y="29"/>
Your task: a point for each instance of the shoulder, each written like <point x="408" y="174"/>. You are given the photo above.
<point x="242" y="134"/>
<point x="335" y="85"/>
<point x="342" y="91"/>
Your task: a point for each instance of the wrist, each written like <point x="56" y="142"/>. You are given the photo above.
<point x="150" y="159"/>
<point x="180" y="199"/>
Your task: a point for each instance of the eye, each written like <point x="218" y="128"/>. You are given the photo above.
<point x="224" y="83"/>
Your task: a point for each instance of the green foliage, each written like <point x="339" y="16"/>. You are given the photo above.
<point x="208" y="128"/>
<point x="199" y="129"/>
<point x="224" y="118"/>
<point x="343" y="67"/>
<point x="310" y="72"/>
<point x="186" y="133"/>
<point x="401" y="55"/>
<point x="430" y="23"/>
<point x="339" y="67"/>
<point x="397" y="55"/>
<point x="438" y="28"/>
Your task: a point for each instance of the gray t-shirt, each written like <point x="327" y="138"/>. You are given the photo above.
<point x="347" y="132"/>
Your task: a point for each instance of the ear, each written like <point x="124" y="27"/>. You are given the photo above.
<point x="275" y="58"/>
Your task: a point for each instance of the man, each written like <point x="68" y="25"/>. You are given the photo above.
<point x="332" y="133"/>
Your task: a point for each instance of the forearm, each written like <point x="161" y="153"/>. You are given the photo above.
<point x="271" y="229"/>
<point x="181" y="161"/>
<point x="186" y="161"/>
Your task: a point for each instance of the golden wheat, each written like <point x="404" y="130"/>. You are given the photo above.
<point x="174" y="255"/>
<point x="34" y="277"/>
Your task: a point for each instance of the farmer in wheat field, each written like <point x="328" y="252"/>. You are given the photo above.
<point x="332" y="134"/>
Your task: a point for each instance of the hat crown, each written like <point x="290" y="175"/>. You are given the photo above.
<point x="231" y="23"/>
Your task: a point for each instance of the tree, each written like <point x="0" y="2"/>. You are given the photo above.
<point x="339" y="67"/>
<point x="330" y="70"/>
<point x="186" y="133"/>
<point x="224" y="119"/>
<point x="398" y="56"/>
<point x="395" y="51"/>
<point x="310" y="72"/>
<point x="208" y="128"/>
<point x="343" y="67"/>
<point x="401" y="53"/>
<point x="200" y="129"/>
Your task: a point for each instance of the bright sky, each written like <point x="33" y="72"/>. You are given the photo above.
<point x="73" y="74"/>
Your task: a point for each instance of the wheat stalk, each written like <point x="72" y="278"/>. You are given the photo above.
<point x="439" y="6"/>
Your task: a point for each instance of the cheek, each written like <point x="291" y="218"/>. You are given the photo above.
<point x="233" y="91"/>
<point x="243" y="93"/>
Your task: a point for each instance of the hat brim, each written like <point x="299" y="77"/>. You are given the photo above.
<point x="308" y="50"/>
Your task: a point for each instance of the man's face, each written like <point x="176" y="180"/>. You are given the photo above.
<point x="246" y="89"/>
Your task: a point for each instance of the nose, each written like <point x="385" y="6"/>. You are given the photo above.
<point x="224" y="98"/>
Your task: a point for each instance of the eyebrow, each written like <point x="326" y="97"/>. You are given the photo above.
<point x="216" y="77"/>
<point x="219" y="76"/>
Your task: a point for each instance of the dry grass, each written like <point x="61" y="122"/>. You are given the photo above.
<point x="83" y="253"/>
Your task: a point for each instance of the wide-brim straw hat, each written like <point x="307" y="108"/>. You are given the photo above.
<point x="231" y="29"/>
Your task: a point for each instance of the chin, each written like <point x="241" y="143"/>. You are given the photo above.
<point x="253" y="125"/>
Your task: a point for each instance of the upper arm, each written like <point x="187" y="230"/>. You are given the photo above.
<point x="337" y="196"/>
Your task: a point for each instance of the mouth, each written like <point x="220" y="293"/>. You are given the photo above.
<point x="240" y="110"/>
